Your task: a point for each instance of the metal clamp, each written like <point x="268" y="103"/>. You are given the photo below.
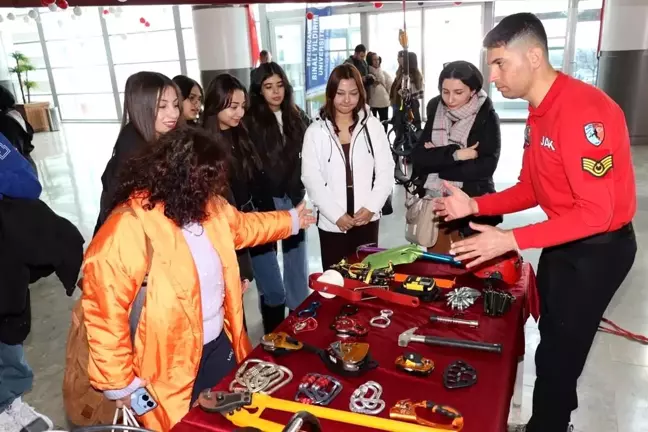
<point x="262" y="377"/>
<point x="304" y="325"/>
<point x="316" y="389"/>
<point x="310" y="311"/>
<point x="383" y="320"/>
<point x="366" y="399"/>
<point x="406" y="410"/>
<point x="462" y="298"/>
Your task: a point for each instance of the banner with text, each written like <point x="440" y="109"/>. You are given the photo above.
<point x="318" y="63"/>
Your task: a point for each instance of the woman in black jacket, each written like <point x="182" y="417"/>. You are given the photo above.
<point x="152" y="107"/>
<point x="225" y="103"/>
<point x="15" y="127"/>
<point x="193" y="97"/>
<point x="277" y="128"/>
<point x="460" y="143"/>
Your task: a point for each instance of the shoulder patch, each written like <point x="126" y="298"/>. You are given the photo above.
<point x="527" y="136"/>
<point x="597" y="168"/>
<point x="4" y="151"/>
<point x="595" y="133"/>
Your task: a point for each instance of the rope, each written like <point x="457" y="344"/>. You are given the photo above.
<point x="609" y="327"/>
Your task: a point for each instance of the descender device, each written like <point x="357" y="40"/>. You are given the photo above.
<point x="406" y="410"/>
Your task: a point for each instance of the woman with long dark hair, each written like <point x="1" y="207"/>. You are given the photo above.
<point x="347" y="167"/>
<point x="277" y="128"/>
<point x="225" y="104"/>
<point x="416" y="90"/>
<point x="152" y="108"/>
<point x="192" y="98"/>
<point x="172" y="225"/>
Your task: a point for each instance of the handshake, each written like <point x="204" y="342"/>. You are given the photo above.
<point x="362" y="217"/>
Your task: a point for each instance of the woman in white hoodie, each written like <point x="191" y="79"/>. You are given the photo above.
<point x="379" y="100"/>
<point x="346" y="139"/>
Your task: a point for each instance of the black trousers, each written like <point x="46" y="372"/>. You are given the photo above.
<point x="336" y="246"/>
<point x="217" y="361"/>
<point x="576" y="282"/>
<point x="382" y="114"/>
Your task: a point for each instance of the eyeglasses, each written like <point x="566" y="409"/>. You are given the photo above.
<point x="194" y="99"/>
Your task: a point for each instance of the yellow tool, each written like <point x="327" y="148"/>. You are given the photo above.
<point x="233" y="407"/>
<point x="406" y="410"/>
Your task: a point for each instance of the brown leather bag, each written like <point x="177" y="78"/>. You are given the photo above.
<point x="84" y="405"/>
<point x="422" y="226"/>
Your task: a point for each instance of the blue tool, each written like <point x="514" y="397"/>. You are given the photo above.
<point x="310" y="311"/>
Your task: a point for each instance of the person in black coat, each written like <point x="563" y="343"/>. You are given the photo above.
<point x="152" y="106"/>
<point x="277" y="127"/>
<point x="460" y="143"/>
<point x="14" y="126"/>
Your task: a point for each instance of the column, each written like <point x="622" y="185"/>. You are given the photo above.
<point x="5" y="75"/>
<point x="222" y="42"/>
<point x="623" y="62"/>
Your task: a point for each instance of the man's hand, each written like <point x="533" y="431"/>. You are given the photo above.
<point x="126" y="401"/>
<point x="455" y="206"/>
<point x="467" y="153"/>
<point x="490" y="243"/>
<point x="363" y="217"/>
<point x="345" y="223"/>
<point x="305" y="215"/>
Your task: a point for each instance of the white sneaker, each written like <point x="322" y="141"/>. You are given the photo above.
<point x="24" y="414"/>
<point x="8" y="423"/>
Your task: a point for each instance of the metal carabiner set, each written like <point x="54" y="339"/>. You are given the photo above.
<point x="366" y="399"/>
<point x="258" y="376"/>
<point x="316" y="389"/>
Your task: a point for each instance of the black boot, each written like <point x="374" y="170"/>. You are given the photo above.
<point x="272" y="316"/>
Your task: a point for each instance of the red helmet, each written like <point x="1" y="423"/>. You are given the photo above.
<point x="506" y="268"/>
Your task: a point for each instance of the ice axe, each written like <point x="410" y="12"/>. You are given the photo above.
<point x="409" y="336"/>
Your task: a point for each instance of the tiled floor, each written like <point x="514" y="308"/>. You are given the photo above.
<point x="613" y="389"/>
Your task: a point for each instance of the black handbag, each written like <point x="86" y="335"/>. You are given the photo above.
<point x="387" y="207"/>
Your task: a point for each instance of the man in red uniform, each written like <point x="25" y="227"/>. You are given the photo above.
<point x="577" y="166"/>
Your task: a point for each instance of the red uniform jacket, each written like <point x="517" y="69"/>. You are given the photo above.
<point x="577" y="166"/>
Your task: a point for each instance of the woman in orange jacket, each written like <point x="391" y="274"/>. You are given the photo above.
<point x="172" y="226"/>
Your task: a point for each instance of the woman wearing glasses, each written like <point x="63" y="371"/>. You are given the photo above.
<point x="460" y="144"/>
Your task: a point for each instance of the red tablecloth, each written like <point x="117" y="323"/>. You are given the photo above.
<point x="485" y="405"/>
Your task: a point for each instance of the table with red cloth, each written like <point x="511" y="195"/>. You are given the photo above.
<point x="484" y="406"/>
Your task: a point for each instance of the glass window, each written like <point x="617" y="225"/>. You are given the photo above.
<point x="18" y="30"/>
<point x="33" y="51"/>
<point x="186" y="16"/>
<point x="122" y="72"/>
<point x="66" y="53"/>
<point x="84" y="107"/>
<point x="383" y="36"/>
<point x="193" y="71"/>
<point x="38" y="76"/>
<point x="189" y="39"/>
<point x="144" y="47"/>
<point x="82" y="79"/>
<point x="158" y="17"/>
<point x="58" y="25"/>
<point x="587" y="36"/>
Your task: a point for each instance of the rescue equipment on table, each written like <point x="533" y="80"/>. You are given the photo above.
<point x="350" y="358"/>
<point x="371" y="275"/>
<point x="406" y="254"/>
<point x="497" y="302"/>
<point x="366" y="399"/>
<point x="258" y="376"/>
<point x="424" y="288"/>
<point x="408" y="336"/>
<point x="406" y="410"/>
<point x="462" y="298"/>
<point x="301" y="325"/>
<point x="345" y="326"/>
<point x="245" y="410"/>
<point x="383" y="320"/>
<point x="316" y="389"/>
<point x="449" y="320"/>
<point x="280" y="343"/>
<point x="331" y="283"/>
<point x="459" y="375"/>
<point x="506" y="268"/>
<point x="415" y="364"/>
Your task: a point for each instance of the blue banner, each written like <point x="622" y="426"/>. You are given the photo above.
<point x="318" y="63"/>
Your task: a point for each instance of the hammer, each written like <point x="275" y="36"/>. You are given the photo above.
<point x="409" y="336"/>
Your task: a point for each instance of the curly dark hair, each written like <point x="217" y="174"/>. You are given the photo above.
<point x="182" y="171"/>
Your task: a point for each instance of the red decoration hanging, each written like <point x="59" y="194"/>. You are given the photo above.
<point x="310" y="15"/>
<point x="62" y="4"/>
<point x="147" y="24"/>
<point x="457" y="3"/>
<point x="45" y="3"/>
<point x="378" y="5"/>
<point x="105" y="11"/>
<point x="143" y="20"/>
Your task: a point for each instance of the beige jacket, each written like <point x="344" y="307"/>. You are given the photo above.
<point x="379" y="91"/>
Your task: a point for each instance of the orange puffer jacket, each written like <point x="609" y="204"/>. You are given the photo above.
<point x="169" y="339"/>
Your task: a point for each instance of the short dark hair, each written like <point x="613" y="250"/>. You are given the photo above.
<point x="7" y="99"/>
<point x="360" y="49"/>
<point x="263" y="53"/>
<point x="465" y="72"/>
<point x="517" y="26"/>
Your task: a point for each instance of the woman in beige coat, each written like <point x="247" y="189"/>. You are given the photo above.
<point x="379" y="90"/>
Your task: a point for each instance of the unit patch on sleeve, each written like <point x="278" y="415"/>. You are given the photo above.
<point x="595" y="133"/>
<point x="597" y="168"/>
<point x="527" y="136"/>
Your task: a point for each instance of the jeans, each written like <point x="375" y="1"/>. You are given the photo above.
<point x="292" y="289"/>
<point x="16" y="377"/>
<point x="216" y="362"/>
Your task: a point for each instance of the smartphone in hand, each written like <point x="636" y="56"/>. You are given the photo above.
<point x="142" y="402"/>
